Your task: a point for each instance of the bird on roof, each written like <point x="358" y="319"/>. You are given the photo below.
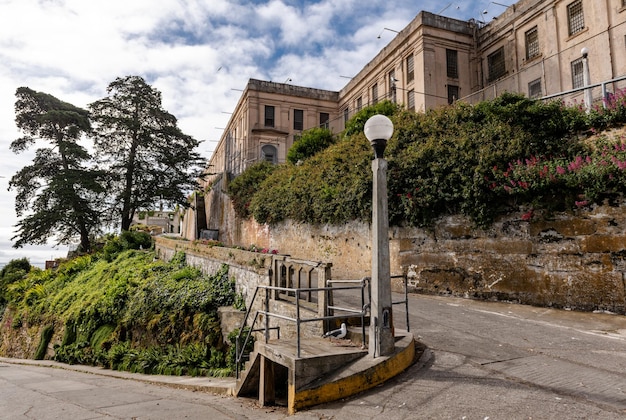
<point x="338" y="333"/>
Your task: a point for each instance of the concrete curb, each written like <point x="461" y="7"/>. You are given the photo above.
<point x="362" y="375"/>
<point x="221" y="386"/>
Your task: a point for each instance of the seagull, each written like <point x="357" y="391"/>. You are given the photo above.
<point x="338" y="334"/>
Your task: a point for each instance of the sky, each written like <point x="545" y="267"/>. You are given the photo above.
<point x="198" y="53"/>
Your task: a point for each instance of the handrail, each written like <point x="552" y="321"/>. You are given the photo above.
<point x="406" y="299"/>
<point x="240" y="349"/>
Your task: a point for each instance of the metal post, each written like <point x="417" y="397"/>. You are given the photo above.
<point x="586" y="79"/>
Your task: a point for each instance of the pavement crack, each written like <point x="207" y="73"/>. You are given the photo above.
<point x="504" y="360"/>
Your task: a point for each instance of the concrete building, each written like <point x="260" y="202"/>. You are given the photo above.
<point x="535" y="47"/>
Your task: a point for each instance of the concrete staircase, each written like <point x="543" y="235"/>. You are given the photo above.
<point x="325" y="371"/>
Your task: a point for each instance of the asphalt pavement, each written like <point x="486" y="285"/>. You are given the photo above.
<point x="483" y="360"/>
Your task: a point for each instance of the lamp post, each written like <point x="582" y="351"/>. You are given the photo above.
<point x="378" y="129"/>
<point x="586" y="78"/>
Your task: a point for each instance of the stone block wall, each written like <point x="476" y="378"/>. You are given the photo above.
<point x="250" y="269"/>
<point x="574" y="261"/>
<point x="564" y="260"/>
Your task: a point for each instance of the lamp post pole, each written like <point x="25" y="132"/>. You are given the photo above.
<point x="378" y="129"/>
<point x="586" y="78"/>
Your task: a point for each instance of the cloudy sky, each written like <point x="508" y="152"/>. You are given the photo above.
<point x="198" y="53"/>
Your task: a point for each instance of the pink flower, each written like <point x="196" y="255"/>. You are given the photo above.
<point x="560" y="170"/>
<point x="528" y="215"/>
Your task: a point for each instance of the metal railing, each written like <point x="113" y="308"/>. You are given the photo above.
<point x="406" y="299"/>
<point x="605" y="93"/>
<point x="240" y="346"/>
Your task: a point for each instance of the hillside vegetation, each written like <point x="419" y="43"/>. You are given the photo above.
<point x="478" y="160"/>
<point x="123" y="309"/>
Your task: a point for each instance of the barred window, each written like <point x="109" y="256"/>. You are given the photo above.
<point x="346" y="115"/>
<point x="359" y="103"/>
<point x="575" y="17"/>
<point x="410" y="100"/>
<point x="578" y="79"/>
<point x="269" y="116"/>
<point x="532" y="43"/>
<point x="410" y="69"/>
<point x="496" y="65"/>
<point x="453" y="93"/>
<point x="375" y="94"/>
<point x="324" y="119"/>
<point x="534" y="89"/>
<point x="452" y="63"/>
<point x="298" y="119"/>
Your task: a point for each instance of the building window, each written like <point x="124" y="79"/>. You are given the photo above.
<point x="346" y="115"/>
<point x="575" y="17"/>
<point x="410" y="100"/>
<point x="453" y="93"/>
<point x="495" y="63"/>
<point x="532" y="43"/>
<point x="375" y="94"/>
<point x="298" y="119"/>
<point x="452" y="63"/>
<point x="324" y="118"/>
<point x="359" y="103"/>
<point x="534" y="89"/>
<point x="268" y="153"/>
<point x="410" y="69"/>
<point x="392" y="85"/>
<point x="578" y="79"/>
<point x="269" y="116"/>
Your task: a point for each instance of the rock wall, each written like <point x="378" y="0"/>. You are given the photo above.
<point x="563" y="260"/>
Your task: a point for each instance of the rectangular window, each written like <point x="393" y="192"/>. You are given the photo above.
<point x="298" y="119"/>
<point x="532" y="43"/>
<point x="534" y="89"/>
<point x="453" y="93"/>
<point x="392" y="85"/>
<point x="578" y="79"/>
<point x="269" y="116"/>
<point x="375" y="94"/>
<point x="359" y="103"/>
<point x="410" y="100"/>
<point x="410" y="69"/>
<point x="346" y="115"/>
<point x="324" y="118"/>
<point x="575" y="17"/>
<point x="495" y="64"/>
<point x="452" y="63"/>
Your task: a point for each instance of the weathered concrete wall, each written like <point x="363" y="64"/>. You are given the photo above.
<point x="250" y="269"/>
<point x="563" y="260"/>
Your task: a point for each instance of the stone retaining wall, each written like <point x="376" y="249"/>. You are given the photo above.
<point x="565" y="260"/>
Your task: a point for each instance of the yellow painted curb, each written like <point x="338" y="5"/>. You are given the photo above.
<point x="387" y="368"/>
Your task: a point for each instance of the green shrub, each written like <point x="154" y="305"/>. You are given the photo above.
<point x="127" y="240"/>
<point x="46" y="336"/>
<point x="311" y="142"/>
<point x="242" y="189"/>
<point x="14" y="271"/>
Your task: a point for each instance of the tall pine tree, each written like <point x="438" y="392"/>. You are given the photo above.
<point x="59" y="194"/>
<point x="139" y="143"/>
